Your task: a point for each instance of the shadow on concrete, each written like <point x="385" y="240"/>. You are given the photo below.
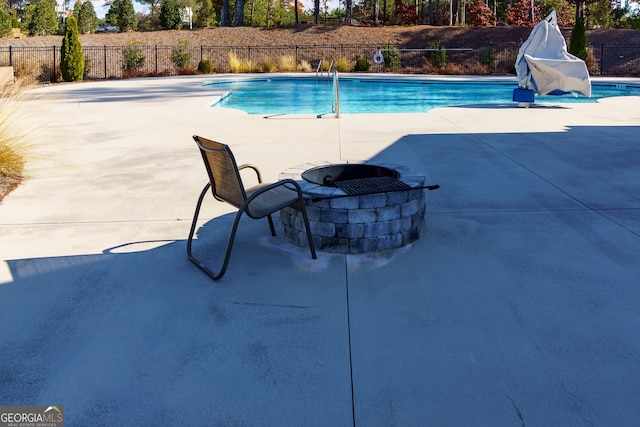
<point x="523" y="287"/>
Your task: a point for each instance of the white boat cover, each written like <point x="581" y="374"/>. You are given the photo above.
<point x="544" y="65"/>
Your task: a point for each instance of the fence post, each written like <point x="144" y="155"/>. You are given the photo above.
<point x="10" y="57"/>
<point x="53" y="78"/>
<point x="601" y="59"/>
<point x="156" y="59"/>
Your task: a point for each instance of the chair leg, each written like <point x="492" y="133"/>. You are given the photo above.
<point x="273" y="229"/>
<point x="232" y="235"/>
<point x="308" y="228"/>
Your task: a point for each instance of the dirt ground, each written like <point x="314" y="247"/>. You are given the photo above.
<point x="416" y="36"/>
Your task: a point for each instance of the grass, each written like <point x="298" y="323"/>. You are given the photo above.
<point x="304" y="67"/>
<point x="287" y="63"/>
<point x="343" y="65"/>
<point x="13" y="146"/>
<point x="238" y="65"/>
<point x="268" y="65"/>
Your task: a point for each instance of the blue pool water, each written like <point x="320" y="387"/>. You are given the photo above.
<point x="357" y="95"/>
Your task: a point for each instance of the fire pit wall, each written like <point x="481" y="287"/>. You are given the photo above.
<point x="342" y="223"/>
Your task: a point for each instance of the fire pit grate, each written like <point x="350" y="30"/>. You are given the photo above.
<point x="380" y="184"/>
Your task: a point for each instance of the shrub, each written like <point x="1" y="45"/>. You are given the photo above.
<point x="325" y="65"/>
<point x="391" y="56"/>
<point x="506" y="61"/>
<point x="436" y="54"/>
<point x="342" y="65"/>
<point x="487" y="57"/>
<point x="238" y="65"/>
<point x="13" y="134"/>
<point x="578" y="40"/>
<point x="592" y="62"/>
<point x="71" y="57"/>
<point x="27" y="72"/>
<point x="132" y="57"/>
<point x="205" y="66"/>
<point x="180" y="54"/>
<point x="287" y="63"/>
<point x="87" y="68"/>
<point x="362" y="64"/>
<point x="305" y="67"/>
<point x="268" y="65"/>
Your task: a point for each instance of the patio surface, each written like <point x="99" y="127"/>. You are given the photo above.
<point x="520" y="300"/>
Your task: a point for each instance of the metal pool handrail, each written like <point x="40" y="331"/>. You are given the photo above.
<point x="335" y="104"/>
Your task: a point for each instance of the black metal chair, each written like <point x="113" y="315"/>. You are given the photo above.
<point x="257" y="201"/>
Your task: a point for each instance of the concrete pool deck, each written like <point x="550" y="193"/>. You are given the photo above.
<point x="520" y="300"/>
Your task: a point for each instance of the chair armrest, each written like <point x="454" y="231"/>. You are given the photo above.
<point x="280" y="183"/>
<point x="254" y="167"/>
<point x="286" y="201"/>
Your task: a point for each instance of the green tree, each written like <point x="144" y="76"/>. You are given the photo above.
<point x="123" y="15"/>
<point x="601" y="15"/>
<point x="436" y="54"/>
<point x="132" y="57"/>
<point x="180" y="54"/>
<point x="71" y="57"/>
<point x="39" y="18"/>
<point x="578" y="40"/>
<point x="391" y="55"/>
<point x="86" y="16"/>
<point x="170" y="15"/>
<point x="5" y="21"/>
<point x="206" y="14"/>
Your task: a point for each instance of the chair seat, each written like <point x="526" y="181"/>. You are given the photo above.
<point x="257" y="202"/>
<point x="271" y="201"/>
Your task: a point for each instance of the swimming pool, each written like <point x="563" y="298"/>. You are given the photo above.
<point x="308" y="95"/>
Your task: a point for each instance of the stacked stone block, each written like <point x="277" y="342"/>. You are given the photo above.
<point x="357" y="224"/>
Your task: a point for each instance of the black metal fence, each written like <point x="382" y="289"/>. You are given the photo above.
<point x="109" y="62"/>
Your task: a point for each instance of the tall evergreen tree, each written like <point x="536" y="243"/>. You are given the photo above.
<point x="122" y="14"/>
<point x="86" y="16"/>
<point x="170" y="15"/>
<point x="578" y="40"/>
<point x="206" y="15"/>
<point x="40" y="18"/>
<point x="5" y="21"/>
<point x="71" y="56"/>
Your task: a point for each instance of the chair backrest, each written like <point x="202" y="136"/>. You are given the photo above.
<point x="226" y="183"/>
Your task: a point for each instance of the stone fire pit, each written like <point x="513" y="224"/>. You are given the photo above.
<point x="388" y="215"/>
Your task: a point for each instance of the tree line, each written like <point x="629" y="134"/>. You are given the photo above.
<point x="40" y="17"/>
